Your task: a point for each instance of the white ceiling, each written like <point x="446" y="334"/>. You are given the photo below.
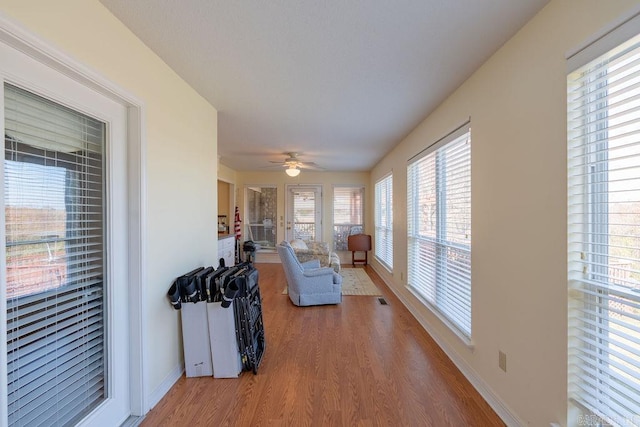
<point x="339" y="81"/>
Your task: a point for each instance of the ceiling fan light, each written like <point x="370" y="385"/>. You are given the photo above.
<point x="292" y="171"/>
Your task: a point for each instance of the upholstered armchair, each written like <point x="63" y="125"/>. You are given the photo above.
<point x="307" y="251"/>
<point x="308" y="283"/>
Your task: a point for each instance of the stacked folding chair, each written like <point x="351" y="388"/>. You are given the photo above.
<point x="249" y="324"/>
<point x="221" y="288"/>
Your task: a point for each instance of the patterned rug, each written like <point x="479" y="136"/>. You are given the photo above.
<point x="355" y="281"/>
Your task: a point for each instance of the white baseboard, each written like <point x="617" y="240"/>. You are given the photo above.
<point x="496" y="403"/>
<point x="165" y="386"/>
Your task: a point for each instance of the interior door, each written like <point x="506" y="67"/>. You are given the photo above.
<point x="304" y="212"/>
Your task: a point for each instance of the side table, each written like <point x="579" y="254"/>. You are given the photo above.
<point x="359" y="243"/>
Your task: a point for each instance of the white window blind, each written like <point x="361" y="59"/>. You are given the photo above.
<point x="603" y="131"/>
<point x="53" y="189"/>
<point x="348" y="207"/>
<point x="383" y="239"/>
<point x="439" y="227"/>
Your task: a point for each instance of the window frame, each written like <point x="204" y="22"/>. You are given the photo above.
<point x="61" y="89"/>
<point x="437" y="277"/>
<point x="598" y="296"/>
<point x="383" y="220"/>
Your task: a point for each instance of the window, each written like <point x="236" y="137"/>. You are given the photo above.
<point x="384" y="221"/>
<point x="304" y="212"/>
<point x="603" y="130"/>
<point x="54" y="207"/>
<point x="262" y="215"/>
<point x="439" y="228"/>
<point x="348" y="205"/>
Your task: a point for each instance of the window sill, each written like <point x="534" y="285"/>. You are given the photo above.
<point x="384" y="265"/>
<point x="467" y="341"/>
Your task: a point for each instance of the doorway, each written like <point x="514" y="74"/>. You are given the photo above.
<point x="261" y="219"/>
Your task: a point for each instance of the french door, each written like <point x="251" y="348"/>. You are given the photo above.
<point x="304" y="212"/>
<point x="64" y="342"/>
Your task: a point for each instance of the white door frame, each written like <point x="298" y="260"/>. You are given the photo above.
<point x="17" y="37"/>
<point x="289" y="208"/>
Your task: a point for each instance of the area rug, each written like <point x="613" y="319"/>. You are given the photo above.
<point x="355" y="281"/>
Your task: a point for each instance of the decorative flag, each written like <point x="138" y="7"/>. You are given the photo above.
<point x="237" y="228"/>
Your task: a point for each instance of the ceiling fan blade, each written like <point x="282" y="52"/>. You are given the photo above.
<point x="292" y="161"/>
<point x="276" y="166"/>
<point x="311" y="166"/>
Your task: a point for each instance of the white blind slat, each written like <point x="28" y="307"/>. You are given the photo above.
<point x="59" y="402"/>
<point x="54" y="369"/>
<point x="33" y="353"/>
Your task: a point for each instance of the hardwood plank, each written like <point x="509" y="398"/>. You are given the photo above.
<point x="359" y="363"/>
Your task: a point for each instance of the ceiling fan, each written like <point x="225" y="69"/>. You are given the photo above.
<point x="293" y="164"/>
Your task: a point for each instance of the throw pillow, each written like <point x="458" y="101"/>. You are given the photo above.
<point x="299" y="244"/>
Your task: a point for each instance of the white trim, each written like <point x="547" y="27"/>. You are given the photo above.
<point x="16" y="36"/>
<point x="136" y="158"/>
<point x="163" y="388"/>
<point x="498" y="405"/>
<point x="609" y="37"/>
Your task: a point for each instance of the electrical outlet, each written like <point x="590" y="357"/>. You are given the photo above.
<point x="502" y="360"/>
<point x="401" y="276"/>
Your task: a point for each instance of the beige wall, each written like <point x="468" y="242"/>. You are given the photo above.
<point x="181" y="137"/>
<point x="223" y="201"/>
<point x="326" y="179"/>
<point x="226" y="174"/>
<point x="517" y="105"/>
<point x="227" y="201"/>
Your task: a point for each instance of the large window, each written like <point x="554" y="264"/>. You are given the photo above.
<point x="55" y="275"/>
<point x="439" y="228"/>
<point x="603" y="131"/>
<point x="384" y="221"/>
<point x="348" y="206"/>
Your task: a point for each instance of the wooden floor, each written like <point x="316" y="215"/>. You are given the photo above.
<point x="359" y="363"/>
